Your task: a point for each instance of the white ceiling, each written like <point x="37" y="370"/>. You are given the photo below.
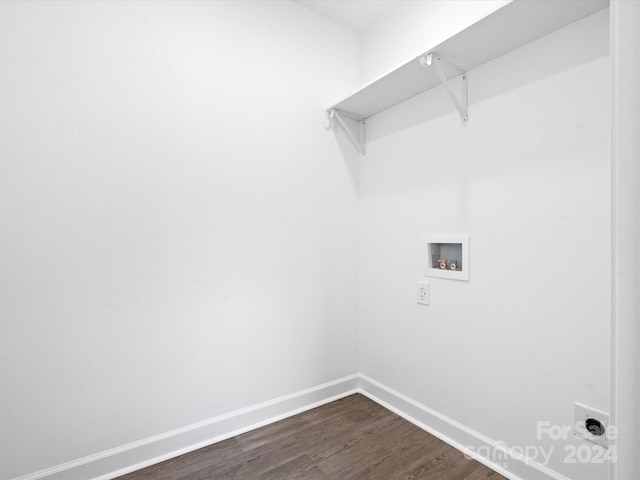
<point x="354" y="14"/>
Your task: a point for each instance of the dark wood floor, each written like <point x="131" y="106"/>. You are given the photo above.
<point x="352" y="438"/>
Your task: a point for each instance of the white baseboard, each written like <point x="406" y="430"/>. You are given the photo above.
<point x="134" y="456"/>
<point x="465" y="439"/>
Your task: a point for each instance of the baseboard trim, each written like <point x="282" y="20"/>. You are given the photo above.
<point x="459" y="436"/>
<point x="149" y="451"/>
<point x="136" y="455"/>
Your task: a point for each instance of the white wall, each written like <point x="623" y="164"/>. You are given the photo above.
<point x="178" y="230"/>
<point x="528" y="178"/>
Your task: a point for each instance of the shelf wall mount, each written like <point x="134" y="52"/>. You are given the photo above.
<point x="433" y="60"/>
<point x="359" y="143"/>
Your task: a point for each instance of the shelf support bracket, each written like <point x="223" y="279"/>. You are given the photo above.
<point x="359" y="143"/>
<point x="462" y="104"/>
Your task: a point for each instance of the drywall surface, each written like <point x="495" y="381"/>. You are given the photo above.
<point x="178" y="229"/>
<point x="411" y="27"/>
<point x="528" y="178"/>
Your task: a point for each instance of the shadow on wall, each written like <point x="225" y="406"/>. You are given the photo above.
<point x="349" y="153"/>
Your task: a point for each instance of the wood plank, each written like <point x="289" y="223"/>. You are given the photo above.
<point x="353" y="438"/>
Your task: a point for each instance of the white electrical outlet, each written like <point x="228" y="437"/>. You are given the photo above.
<point x="592" y="425"/>
<point x="423" y="292"/>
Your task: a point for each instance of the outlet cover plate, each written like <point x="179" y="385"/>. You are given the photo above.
<point x="582" y="414"/>
<point x="422" y="292"/>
